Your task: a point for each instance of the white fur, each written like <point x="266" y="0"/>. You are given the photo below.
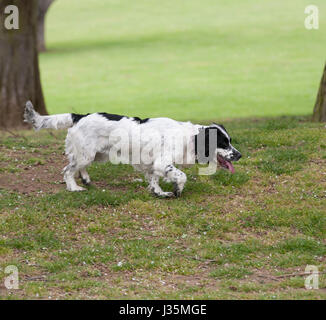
<point x="95" y="138"/>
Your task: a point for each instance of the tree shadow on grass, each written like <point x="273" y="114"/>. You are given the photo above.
<point x="175" y="39"/>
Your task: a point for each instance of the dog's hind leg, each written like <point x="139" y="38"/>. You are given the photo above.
<point x="69" y="176"/>
<point x="86" y="180"/>
<point x="79" y="158"/>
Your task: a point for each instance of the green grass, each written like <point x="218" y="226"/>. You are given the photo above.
<point x="201" y="60"/>
<point x="228" y="236"/>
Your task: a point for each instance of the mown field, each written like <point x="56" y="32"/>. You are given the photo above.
<point x="244" y="236"/>
<point x="189" y="60"/>
<point x="249" y="235"/>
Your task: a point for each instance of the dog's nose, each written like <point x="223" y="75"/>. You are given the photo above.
<point x="237" y="156"/>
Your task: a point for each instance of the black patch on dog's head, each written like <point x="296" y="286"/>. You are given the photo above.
<point x="223" y="139"/>
<point x="208" y="140"/>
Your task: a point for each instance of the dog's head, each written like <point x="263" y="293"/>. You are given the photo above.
<point x="215" y="144"/>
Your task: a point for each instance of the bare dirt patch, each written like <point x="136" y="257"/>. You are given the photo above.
<point x="34" y="178"/>
<point x="38" y="177"/>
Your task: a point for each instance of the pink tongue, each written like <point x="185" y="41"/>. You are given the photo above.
<point x="226" y="164"/>
<point x="230" y="166"/>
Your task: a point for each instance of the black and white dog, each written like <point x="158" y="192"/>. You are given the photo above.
<point x="153" y="146"/>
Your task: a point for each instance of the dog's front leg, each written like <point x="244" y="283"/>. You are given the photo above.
<point x="177" y="177"/>
<point x="171" y="174"/>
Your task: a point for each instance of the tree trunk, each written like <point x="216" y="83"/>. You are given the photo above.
<point x="42" y="10"/>
<point x="320" y="106"/>
<point x="19" y="67"/>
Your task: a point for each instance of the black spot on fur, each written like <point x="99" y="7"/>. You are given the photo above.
<point x="111" y="117"/>
<point x="116" y="117"/>
<point x="168" y="169"/>
<point x="141" y="121"/>
<point x="76" y="117"/>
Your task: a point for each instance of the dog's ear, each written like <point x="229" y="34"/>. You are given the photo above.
<point x="214" y="124"/>
<point x="210" y="142"/>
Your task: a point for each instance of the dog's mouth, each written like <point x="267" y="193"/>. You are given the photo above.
<point x="225" y="164"/>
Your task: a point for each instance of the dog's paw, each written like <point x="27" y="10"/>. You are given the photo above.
<point x="86" y="182"/>
<point x="77" y="189"/>
<point x="177" y="193"/>
<point x="163" y="194"/>
<point x="166" y="195"/>
<point x="177" y="190"/>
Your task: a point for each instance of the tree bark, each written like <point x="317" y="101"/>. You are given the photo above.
<point x="42" y="10"/>
<point x="19" y="66"/>
<point x="320" y="106"/>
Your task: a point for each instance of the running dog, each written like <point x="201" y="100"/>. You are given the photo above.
<point x="155" y="145"/>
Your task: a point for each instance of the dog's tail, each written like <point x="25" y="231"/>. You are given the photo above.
<point x="57" y="121"/>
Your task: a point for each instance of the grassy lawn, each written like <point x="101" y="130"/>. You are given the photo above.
<point x="227" y="237"/>
<point x="183" y="59"/>
<point x="250" y="235"/>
